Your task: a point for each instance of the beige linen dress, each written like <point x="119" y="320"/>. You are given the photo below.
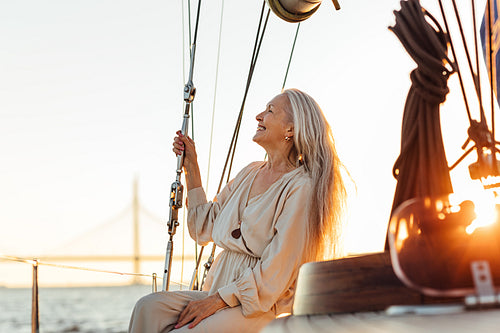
<point x="256" y="272"/>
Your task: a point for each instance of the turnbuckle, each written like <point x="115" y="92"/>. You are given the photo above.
<point x="189" y="92"/>
<point x="176" y="194"/>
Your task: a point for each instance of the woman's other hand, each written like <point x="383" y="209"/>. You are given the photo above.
<point x="196" y="311"/>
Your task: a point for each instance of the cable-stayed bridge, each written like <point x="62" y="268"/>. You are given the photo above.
<point x="134" y="235"/>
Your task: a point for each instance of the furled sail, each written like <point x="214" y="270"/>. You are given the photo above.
<point x="489" y="39"/>
<point x="296" y="10"/>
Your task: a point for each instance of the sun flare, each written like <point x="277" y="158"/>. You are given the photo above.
<point x="484" y="203"/>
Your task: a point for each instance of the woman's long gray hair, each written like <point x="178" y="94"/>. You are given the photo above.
<point x="315" y="148"/>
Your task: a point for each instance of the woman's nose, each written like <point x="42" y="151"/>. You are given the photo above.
<point x="259" y="116"/>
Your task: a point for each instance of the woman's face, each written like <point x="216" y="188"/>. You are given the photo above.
<point x="275" y="122"/>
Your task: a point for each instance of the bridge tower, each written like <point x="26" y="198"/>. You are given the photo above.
<point x="135" y="221"/>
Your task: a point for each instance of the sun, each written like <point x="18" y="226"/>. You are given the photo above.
<point x="485" y="201"/>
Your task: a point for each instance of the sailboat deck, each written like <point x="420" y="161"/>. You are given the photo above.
<point x="463" y="321"/>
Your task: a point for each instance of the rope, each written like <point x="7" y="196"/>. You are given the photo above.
<point x="194" y="42"/>
<point x="234" y="140"/>
<point x="189" y="105"/>
<point x="183" y="246"/>
<point x="189" y="20"/>
<point x="456" y="63"/>
<point x="33" y="262"/>
<point x="183" y="61"/>
<point x="290" y="59"/>
<point x="476" y="82"/>
<point x="478" y="131"/>
<point x="215" y="96"/>
<point x="183" y="47"/>
<point x="421" y="168"/>
<point x="492" y="79"/>
<point x="232" y="147"/>
<point x="478" y="72"/>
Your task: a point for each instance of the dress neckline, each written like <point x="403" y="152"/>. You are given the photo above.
<point x="248" y="200"/>
<point x="245" y="200"/>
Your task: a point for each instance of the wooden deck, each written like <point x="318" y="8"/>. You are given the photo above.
<point x="362" y="294"/>
<point x="476" y="321"/>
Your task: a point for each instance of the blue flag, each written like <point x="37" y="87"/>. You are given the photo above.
<point x="491" y="44"/>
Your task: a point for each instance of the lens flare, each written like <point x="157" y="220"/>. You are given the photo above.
<point x="485" y="202"/>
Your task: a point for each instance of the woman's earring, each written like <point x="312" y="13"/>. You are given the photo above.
<point x="287" y="138"/>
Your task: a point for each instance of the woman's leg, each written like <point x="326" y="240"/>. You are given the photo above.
<point x="229" y="320"/>
<point x="158" y="312"/>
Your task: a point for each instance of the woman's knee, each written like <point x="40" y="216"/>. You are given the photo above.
<point x="147" y="304"/>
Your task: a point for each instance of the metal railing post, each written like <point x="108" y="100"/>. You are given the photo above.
<point x="155" y="288"/>
<point x="34" y="300"/>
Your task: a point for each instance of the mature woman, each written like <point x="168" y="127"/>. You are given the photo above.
<point x="270" y="219"/>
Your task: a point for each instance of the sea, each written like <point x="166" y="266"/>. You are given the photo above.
<point x="78" y="309"/>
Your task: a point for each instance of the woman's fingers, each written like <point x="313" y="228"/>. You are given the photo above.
<point x="185" y="317"/>
<point x="182" y="315"/>
<point x="184" y="144"/>
<point x="197" y="320"/>
<point x="198" y="310"/>
<point x="178" y="146"/>
<point x="186" y="140"/>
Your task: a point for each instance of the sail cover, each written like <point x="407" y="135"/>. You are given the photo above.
<point x="421" y="169"/>
<point x="489" y="40"/>
<point x="296" y="10"/>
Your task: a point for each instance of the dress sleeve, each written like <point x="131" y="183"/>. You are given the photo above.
<point x="258" y="289"/>
<point x="202" y="213"/>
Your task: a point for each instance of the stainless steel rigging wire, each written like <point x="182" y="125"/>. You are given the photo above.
<point x="215" y="95"/>
<point x="234" y="140"/>
<point x="478" y="131"/>
<point x="457" y="68"/>
<point x="291" y="55"/>
<point x="490" y="26"/>
<point x="194" y="279"/>
<point x="177" y="189"/>
<point x="232" y="148"/>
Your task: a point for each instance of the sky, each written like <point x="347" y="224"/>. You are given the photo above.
<point x="91" y="98"/>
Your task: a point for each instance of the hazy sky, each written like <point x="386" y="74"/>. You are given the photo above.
<point x="91" y="97"/>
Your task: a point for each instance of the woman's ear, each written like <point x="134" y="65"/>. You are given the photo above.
<point x="289" y="131"/>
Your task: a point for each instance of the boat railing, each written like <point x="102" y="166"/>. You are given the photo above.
<point x="35" y="263"/>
